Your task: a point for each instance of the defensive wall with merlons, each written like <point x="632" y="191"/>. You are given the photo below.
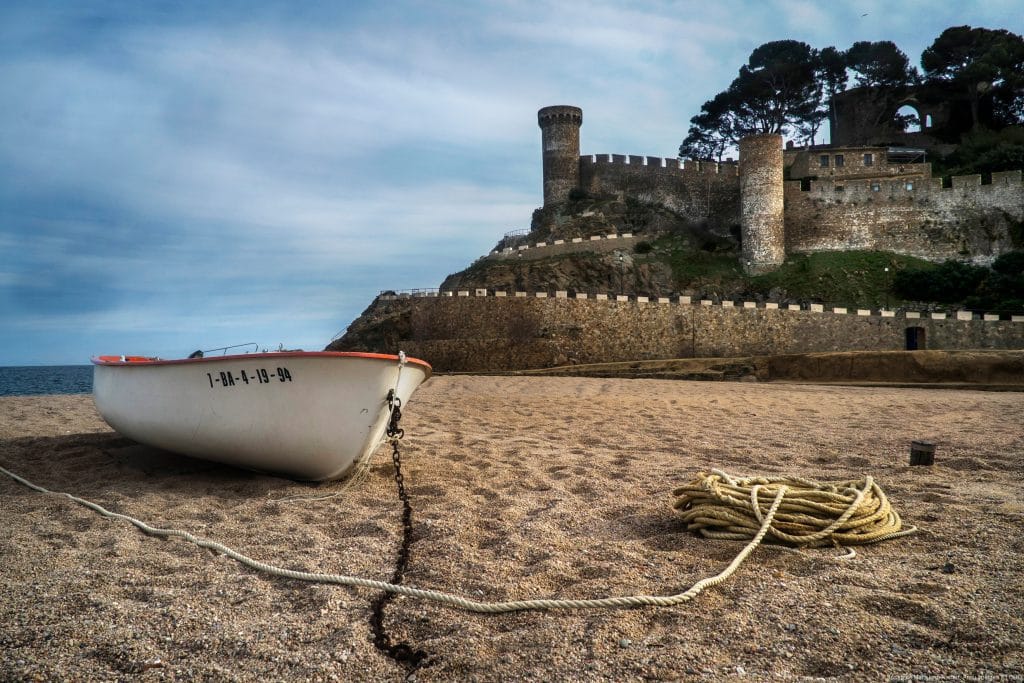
<point x="918" y="216"/>
<point x="701" y="191"/>
<point x="575" y="245"/>
<point x="483" y="330"/>
<point x="836" y="198"/>
<point x="863" y="198"/>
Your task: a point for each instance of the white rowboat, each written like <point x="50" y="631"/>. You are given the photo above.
<point x="305" y="414"/>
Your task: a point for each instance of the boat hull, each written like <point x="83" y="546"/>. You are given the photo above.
<point x="307" y="415"/>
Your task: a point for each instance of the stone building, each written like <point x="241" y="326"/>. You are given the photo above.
<point x="793" y="200"/>
<point x="868" y="116"/>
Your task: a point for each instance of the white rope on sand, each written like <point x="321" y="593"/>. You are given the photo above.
<point x="764" y="517"/>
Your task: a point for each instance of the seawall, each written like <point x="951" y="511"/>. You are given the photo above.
<point x="478" y="333"/>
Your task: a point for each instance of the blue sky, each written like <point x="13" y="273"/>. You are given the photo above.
<point x="183" y="175"/>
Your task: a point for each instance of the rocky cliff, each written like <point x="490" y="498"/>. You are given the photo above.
<point x="641" y="267"/>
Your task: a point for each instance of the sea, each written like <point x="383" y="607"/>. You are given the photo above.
<point x="33" y="380"/>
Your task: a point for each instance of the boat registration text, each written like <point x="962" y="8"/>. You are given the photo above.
<point x="259" y="376"/>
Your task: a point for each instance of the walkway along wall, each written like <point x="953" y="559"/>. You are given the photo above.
<point x="488" y="333"/>
<point x="575" y="245"/>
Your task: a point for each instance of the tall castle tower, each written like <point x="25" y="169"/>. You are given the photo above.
<point x="560" y="142"/>
<point x="761" y="203"/>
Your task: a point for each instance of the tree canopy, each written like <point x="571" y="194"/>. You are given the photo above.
<point x="788" y="87"/>
<point x="984" y="65"/>
<point x="879" y="65"/>
<point x="777" y="88"/>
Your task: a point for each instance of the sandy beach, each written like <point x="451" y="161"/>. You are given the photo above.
<point x="520" y="488"/>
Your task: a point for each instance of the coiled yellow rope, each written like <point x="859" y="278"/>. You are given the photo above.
<point x="812" y="513"/>
<point x="711" y="505"/>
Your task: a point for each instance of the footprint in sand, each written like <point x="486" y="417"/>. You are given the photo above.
<point x="903" y="609"/>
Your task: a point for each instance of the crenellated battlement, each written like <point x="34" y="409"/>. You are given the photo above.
<point x="682" y="300"/>
<point x="484" y="330"/>
<point x="560" y="114"/>
<point x="917" y="216"/>
<point x="654" y="164"/>
<point x="839" y="198"/>
<point x="574" y="245"/>
<point x="904" y="187"/>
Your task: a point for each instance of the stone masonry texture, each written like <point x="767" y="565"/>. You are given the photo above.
<point x="846" y="198"/>
<point x="473" y="334"/>
<point x="560" y="145"/>
<point x="762" y="202"/>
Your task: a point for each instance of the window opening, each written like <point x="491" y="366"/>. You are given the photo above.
<point x="908" y="119"/>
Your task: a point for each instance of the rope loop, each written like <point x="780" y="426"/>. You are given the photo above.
<point x="811" y="514"/>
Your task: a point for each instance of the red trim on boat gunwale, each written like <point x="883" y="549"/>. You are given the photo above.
<point x="138" y="361"/>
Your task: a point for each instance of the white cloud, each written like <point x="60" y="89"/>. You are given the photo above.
<point x="806" y="17"/>
<point x="274" y="173"/>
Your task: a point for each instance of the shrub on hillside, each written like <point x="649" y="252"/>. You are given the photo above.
<point x="999" y="288"/>
<point x="948" y="283"/>
<point x="1003" y="290"/>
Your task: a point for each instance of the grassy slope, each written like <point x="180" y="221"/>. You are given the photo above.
<point x="854" y="278"/>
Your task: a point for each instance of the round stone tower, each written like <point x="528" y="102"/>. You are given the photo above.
<point x="761" y="203"/>
<point x="560" y="142"/>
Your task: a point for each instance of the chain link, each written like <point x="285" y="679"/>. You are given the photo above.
<point x="394" y="432"/>
<point x="402" y="653"/>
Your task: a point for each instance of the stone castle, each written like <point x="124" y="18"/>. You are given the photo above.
<point x="795" y="200"/>
<point x="775" y="200"/>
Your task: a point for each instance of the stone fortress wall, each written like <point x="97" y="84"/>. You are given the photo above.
<point x="907" y="215"/>
<point x="698" y="190"/>
<point x="575" y="245"/>
<point x="483" y="330"/>
<point x="836" y="198"/>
